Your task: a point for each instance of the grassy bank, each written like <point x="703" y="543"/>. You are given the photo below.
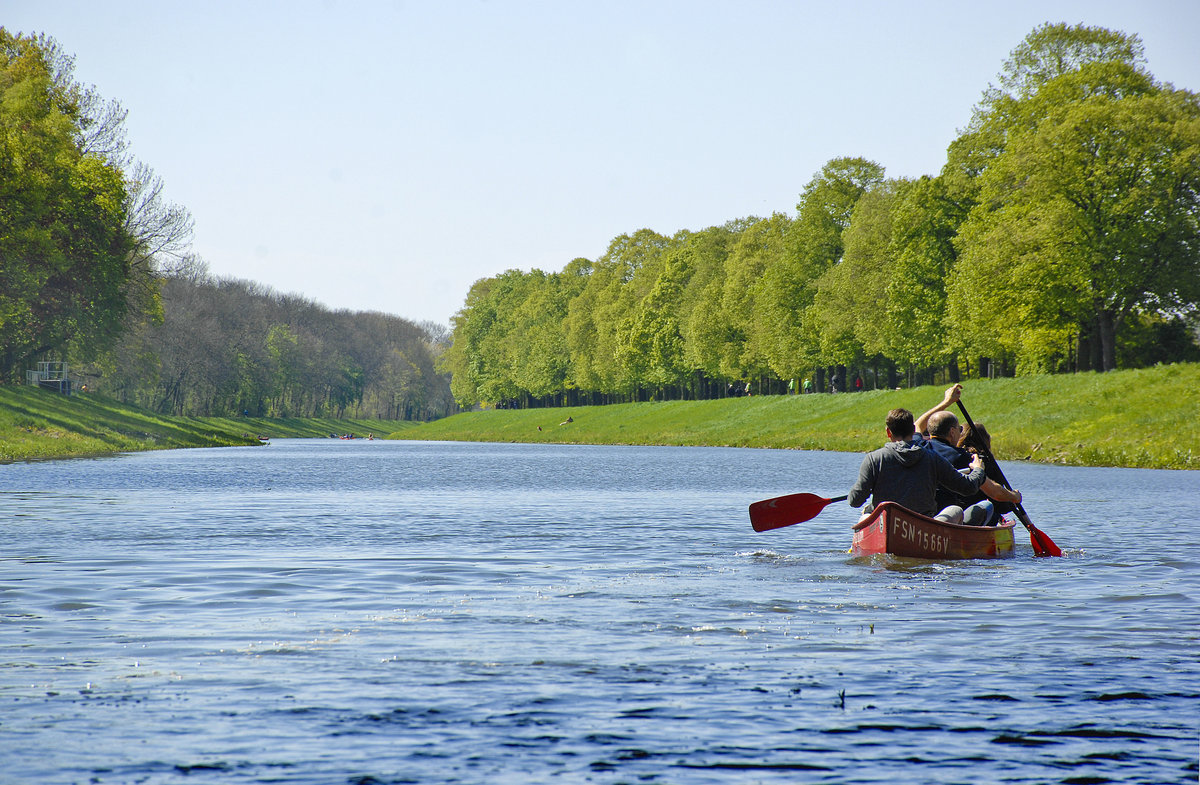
<point x="39" y="424"/>
<point x="1146" y="418"/>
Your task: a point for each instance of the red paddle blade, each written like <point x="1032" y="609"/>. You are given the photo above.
<point x="786" y="510"/>
<point x="1042" y="544"/>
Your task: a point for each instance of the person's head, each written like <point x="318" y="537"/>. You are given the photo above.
<point x="944" y="426"/>
<point x="976" y="437"/>
<point x="900" y="424"/>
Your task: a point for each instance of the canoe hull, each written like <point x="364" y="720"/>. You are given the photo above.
<point x="901" y="532"/>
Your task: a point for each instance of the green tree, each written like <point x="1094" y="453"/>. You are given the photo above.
<point x="474" y="359"/>
<point x="63" y="237"/>
<point x="848" y="313"/>
<point x="743" y="335"/>
<point x="926" y="221"/>
<point x="789" y="283"/>
<point x="616" y="284"/>
<point x="1054" y="50"/>
<point x="651" y="347"/>
<point x="537" y="351"/>
<point x="1090" y="215"/>
<point x="703" y="322"/>
<point x="1047" y="53"/>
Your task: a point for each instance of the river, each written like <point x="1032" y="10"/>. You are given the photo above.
<point x="328" y="611"/>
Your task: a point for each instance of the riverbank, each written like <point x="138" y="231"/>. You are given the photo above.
<point x="1144" y="418"/>
<point x="37" y="424"/>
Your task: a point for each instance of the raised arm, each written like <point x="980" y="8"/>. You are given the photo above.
<point x="951" y="398"/>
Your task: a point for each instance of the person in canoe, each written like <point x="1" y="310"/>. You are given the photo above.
<point x="1004" y="500"/>
<point x="903" y="471"/>
<point x="940" y="431"/>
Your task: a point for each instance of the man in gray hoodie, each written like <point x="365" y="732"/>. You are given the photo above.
<point x="908" y="474"/>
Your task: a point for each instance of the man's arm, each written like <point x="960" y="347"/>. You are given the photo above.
<point x="964" y="482"/>
<point x="865" y="483"/>
<point x="951" y="398"/>
<point x="997" y="492"/>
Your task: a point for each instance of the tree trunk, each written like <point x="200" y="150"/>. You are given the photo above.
<point x="1107" y="328"/>
<point x="1083" y="352"/>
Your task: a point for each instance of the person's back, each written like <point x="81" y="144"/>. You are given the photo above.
<point x="941" y="439"/>
<point x="900" y="472"/>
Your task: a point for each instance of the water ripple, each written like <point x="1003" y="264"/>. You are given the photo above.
<point x="324" y="612"/>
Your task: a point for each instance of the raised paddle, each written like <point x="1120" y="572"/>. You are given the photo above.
<point x="1042" y="544"/>
<point x="786" y="510"/>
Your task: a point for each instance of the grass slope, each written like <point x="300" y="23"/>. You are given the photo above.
<point x="1140" y="418"/>
<point x="40" y="424"/>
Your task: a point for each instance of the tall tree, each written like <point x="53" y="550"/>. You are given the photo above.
<point x="925" y="222"/>
<point x="63" y="238"/>
<point x="848" y="313"/>
<point x="1089" y="215"/>
<point x="1053" y="50"/>
<point x="538" y="351"/>
<point x="651" y="348"/>
<point x="704" y="323"/>
<point x="744" y="346"/>
<point x="596" y="317"/>
<point x="816" y="244"/>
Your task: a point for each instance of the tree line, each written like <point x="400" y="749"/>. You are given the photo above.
<point x="1062" y="234"/>
<point x="95" y="268"/>
<point x="224" y="346"/>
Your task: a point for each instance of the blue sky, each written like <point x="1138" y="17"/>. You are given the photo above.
<point x="385" y="155"/>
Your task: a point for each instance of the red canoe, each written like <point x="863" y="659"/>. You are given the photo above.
<point x="901" y="532"/>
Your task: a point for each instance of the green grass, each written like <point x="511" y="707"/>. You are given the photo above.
<point x="1147" y="418"/>
<point x="38" y="424"/>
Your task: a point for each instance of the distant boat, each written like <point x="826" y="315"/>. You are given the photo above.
<point x="902" y="532"/>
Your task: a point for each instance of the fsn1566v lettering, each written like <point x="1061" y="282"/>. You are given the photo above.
<point x="928" y="540"/>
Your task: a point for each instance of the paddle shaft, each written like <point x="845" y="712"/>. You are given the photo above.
<point x="1042" y="544"/>
<point x="987" y="453"/>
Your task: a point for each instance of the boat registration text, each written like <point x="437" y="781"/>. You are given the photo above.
<point x="924" y="538"/>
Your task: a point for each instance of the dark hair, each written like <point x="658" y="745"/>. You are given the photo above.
<point x="941" y="423"/>
<point x="900" y="423"/>
<point x="976" y="437"/>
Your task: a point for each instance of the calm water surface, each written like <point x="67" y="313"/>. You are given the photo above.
<point x="320" y="611"/>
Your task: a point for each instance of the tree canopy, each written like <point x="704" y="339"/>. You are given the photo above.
<point x="1062" y="234"/>
<point x="223" y="346"/>
<point x="95" y="268"/>
<point x="64" y="237"/>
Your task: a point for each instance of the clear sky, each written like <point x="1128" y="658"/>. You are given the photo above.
<point x="385" y="155"/>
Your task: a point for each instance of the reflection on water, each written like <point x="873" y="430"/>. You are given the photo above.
<point x="322" y="611"/>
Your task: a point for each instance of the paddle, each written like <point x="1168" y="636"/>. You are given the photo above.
<point x="786" y="510"/>
<point x="1042" y="544"/>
